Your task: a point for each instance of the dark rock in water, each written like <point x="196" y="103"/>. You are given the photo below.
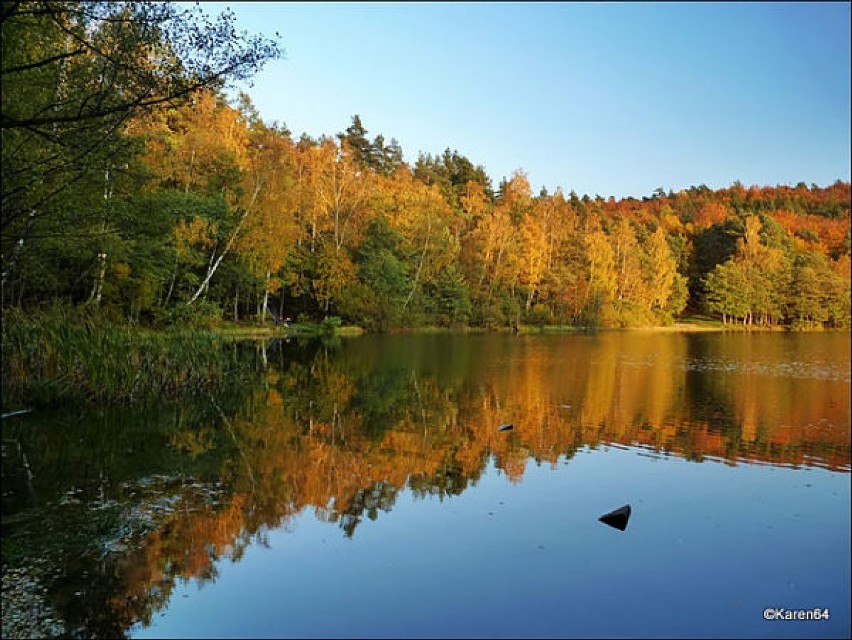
<point x="617" y="518"/>
<point x="506" y="427"/>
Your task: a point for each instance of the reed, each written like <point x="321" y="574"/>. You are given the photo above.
<point x="60" y="355"/>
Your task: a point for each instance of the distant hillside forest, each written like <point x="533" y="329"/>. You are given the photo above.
<point x="207" y="213"/>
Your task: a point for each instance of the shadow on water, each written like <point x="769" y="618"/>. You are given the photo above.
<point x="117" y="506"/>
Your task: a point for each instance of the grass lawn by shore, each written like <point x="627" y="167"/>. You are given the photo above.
<point x="687" y="324"/>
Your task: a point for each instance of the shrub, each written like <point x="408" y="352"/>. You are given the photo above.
<point x="329" y="324"/>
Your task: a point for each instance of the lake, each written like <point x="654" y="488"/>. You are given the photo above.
<point x="363" y="487"/>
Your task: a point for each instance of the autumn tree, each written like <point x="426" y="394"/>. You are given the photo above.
<point x="202" y="148"/>
<point x="534" y="245"/>
<point x="603" y="275"/>
<point x="271" y="233"/>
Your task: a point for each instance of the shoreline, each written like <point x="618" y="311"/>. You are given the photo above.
<point x="248" y="332"/>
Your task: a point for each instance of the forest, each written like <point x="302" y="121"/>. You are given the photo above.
<point x="150" y="217"/>
<point x="135" y="188"/>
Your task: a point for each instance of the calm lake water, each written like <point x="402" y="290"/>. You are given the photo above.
<point x="362" y="488"/>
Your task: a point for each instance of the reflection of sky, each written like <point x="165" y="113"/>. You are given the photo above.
<point x="708" y="547"/>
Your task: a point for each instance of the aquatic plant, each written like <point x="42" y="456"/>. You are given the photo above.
<point x="60" y="354"/>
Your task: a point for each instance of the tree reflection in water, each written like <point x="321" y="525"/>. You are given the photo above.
<point x="342" y="428"/>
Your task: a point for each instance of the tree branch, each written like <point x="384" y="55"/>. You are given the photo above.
<point x="7" y="122"/>
<point x="41" y="63"/>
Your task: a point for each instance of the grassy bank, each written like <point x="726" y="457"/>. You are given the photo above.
<point x="61" y="354"/>
<point x="252" y="331"/>
<point x="687" y="324"/>
<point x="64" y="355"/>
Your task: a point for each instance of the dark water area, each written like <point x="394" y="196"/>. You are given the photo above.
<point x="363" y="487"/>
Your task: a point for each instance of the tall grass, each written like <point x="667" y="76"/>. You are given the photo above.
<point x="66" y="355"/>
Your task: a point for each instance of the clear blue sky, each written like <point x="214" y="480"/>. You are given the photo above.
<point x="605" y="98"/>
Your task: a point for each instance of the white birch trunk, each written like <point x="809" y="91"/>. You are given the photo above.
<point x="265" y="300"/>
<point x="215" y="265"/>
<point x="97" y="287"/>
<point x="420" y="264"/>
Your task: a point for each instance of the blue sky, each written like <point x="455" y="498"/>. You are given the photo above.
<point x="614" y="99"/>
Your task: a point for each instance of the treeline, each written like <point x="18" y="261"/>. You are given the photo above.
<point x="198" y="211"/>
